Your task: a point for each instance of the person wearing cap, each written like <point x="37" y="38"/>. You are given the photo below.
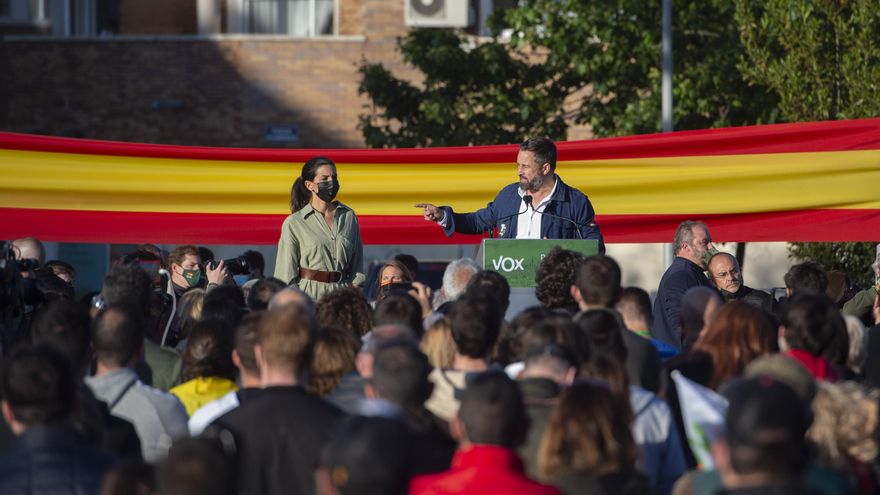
<point x="764" y="449"/>
<point x="726" y="275"/>
<point x="320" y="247"/>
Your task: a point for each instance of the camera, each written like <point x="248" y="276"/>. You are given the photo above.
<point x="236" y="266"/>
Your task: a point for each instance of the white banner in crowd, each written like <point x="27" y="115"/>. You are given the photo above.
<point x="703" y="411"/>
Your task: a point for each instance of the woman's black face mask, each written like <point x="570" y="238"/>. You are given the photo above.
<point x="327" y="190"/>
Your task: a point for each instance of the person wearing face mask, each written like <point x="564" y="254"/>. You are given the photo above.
<point x="392" y="272"/>
<point x="539" y="206"/>
<point x="320" y="247"/>
<point x="186" y="270"/>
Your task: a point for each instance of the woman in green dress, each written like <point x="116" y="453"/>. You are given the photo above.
<point x="320" y="248"/>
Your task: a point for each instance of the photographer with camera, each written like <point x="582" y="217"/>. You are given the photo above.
<point x="187" y="270"/>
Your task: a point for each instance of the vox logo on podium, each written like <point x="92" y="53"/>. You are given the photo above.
<point x="508" y="264"/>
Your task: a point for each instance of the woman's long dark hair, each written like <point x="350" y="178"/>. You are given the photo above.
<point x="299" y="194"/>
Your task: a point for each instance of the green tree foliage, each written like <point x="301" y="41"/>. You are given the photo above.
<point x="609" y="49"/>
<point x="615" y="47"/>
<point x="486" y="94"/>
<point x="854" y="258"/>
<point x="823" y="60"/>
<point x="821" y="57"/>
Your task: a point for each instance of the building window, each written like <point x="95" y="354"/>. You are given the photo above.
<point x="290" y="17"/>
<point x="24" y="11"/>
<point x="93" y="17"/>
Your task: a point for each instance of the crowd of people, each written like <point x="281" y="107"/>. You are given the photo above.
<point x="186" y="376"/>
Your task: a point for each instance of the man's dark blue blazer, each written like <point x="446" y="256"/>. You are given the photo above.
<point x="502" y="213"/>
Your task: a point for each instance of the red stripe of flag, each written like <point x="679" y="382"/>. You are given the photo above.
<point x="198" y="228"/>
<point x="846" y="135"/>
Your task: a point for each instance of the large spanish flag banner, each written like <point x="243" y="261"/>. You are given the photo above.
<point x="791" y="182"/>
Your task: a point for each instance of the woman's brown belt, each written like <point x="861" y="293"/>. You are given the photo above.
<point x="320" y="276"/>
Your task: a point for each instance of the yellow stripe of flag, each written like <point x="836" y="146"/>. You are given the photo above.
<point x="670" y="185"/>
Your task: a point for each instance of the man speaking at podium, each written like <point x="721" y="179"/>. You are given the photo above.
<point x="540" y="206"/>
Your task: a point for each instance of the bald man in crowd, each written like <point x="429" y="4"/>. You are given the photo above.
<point x="726" y="275"/>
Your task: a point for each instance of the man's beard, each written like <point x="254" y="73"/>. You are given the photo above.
<point x="532" y="185"/>
<point x="707" y="255"/>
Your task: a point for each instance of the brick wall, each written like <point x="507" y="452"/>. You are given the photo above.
<point x="180" y="90"/>
<point x="157" y="17"/>
<point x="229" y="89"/>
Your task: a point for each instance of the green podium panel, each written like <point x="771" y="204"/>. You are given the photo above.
<point x="518" y="259"/>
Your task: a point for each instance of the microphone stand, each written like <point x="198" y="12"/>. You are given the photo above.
<point x="528" y="203"/>
<point x="577" y="227"/>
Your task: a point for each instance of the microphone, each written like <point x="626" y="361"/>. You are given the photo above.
<point x="577" y="227"/>
<point x="527" y="200"/>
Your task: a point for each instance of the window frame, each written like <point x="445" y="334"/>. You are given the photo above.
<point x="240" y="23"/>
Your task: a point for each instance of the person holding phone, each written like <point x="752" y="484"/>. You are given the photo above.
<point x="320" y="247"/>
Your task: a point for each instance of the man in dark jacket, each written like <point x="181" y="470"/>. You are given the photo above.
<point x="726" y="276"/>
<point x="693" y="248"/>
<point x="548" y="369"/>
<point x="280" y="432"/>
<point x="400" y="376"/>
<point x="597" y="286"/>
<point x="539" y="206"/>
<point x="48" y="456"/>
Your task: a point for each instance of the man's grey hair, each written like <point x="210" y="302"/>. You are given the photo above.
<point x="457" y="275"/>
<point x="685" y="234"/>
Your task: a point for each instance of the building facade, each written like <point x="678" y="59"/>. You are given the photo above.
<point x="248" y="73"/>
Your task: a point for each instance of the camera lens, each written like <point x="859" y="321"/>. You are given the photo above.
<point x="237" y="266"/>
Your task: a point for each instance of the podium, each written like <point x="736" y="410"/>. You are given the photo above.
<point x="518" y="259"/>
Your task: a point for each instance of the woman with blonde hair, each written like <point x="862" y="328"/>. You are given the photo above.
<point x="588" y="446"/>
<point x="438" y="345"/>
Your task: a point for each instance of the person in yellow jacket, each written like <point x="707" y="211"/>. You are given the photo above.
<point x="208" y="372"/>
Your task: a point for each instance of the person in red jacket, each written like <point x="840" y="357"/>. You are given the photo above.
<point x="489" y="426"/>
